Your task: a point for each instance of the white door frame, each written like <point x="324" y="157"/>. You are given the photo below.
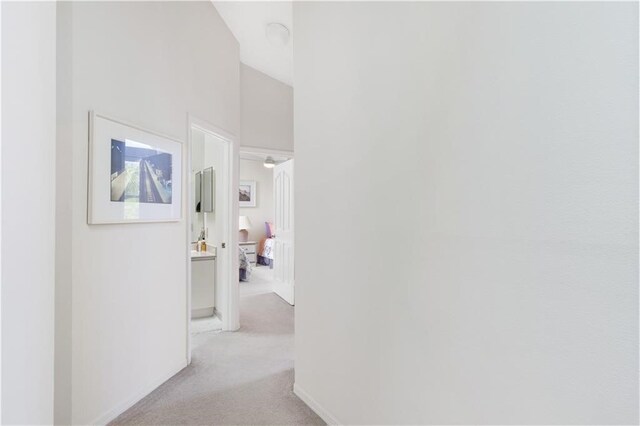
<point x="275" y="153"/>
<point x="266" y="151"/>
<point x="230" y="314"/>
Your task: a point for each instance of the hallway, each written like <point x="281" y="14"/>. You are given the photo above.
<point x="244" y="377"/>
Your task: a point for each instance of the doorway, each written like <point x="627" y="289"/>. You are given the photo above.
<point x="212" y="270"/>
<point x="265" y="199"/>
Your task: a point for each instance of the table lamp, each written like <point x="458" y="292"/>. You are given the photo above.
<point x="245" y="224"/>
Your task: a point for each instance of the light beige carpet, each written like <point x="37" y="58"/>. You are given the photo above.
<point x="239" y="378"/>
<point x="205" y="325"/>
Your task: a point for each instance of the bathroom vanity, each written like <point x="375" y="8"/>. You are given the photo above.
<point x="203" y="281"/>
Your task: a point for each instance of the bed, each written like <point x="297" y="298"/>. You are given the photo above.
<point x="264" y="255"/>
<point x="245" y="265"/>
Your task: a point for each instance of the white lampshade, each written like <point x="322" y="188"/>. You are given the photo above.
<point x="245" y="223"/>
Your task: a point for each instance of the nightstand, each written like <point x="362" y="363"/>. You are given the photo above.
<point x="251" y="249"/>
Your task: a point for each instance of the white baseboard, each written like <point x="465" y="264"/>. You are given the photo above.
<point x="123" y="406"/>
<point x="202" y="313"/>
<point x="315" y="406"/>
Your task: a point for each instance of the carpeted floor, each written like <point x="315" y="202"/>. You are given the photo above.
<point x="244" y="377"/>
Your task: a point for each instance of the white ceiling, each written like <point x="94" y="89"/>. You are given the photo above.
<point x="248" y="21"/>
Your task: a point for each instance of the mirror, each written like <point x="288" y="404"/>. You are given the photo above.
<point x="208" y="190"/>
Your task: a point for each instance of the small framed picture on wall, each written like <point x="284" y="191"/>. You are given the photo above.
<point x="247" y="193"/>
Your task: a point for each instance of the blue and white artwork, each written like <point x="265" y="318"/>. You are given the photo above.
<point x="140" y="173"/>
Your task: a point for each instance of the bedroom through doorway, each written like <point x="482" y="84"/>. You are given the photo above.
<point x="265" y="200"/>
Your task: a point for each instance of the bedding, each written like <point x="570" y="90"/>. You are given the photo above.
<point x="267" y="250"/>
<point x="269" y="229"/>
<point x="245" y="265"/>
<point x="265" y="246"/>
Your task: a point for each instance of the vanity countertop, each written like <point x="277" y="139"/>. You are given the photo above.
<point x="202" y="255"/>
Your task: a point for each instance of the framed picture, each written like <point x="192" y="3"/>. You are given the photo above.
<point x="135" y="175"/>
<point x="247" y="193"/>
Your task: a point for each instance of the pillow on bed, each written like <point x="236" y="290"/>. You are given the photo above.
<point x="269" y="229"/>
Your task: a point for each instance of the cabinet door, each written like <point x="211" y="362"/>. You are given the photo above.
<point x="203" y="284"/>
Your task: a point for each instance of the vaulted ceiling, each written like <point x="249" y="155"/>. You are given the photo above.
<point x="248" y="21"/>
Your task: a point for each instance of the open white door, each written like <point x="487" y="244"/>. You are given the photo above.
<point x="283" y="284"/>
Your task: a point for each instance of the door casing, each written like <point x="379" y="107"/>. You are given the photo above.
<point x="230" y="314"/>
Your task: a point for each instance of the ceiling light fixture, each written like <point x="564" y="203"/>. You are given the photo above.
<point x="277" y="34"/>
<point x="269" y="163"/>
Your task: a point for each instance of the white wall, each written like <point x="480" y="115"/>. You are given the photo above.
<point x="197" y="165"/>
<point x="214" y="155"/>
<point x="478" y="227"/>
<point x="150" y="64"/>
<point x="28" y="218"/>
<point x="264" y="209"/>
<point x="266" y="111"/>
<point x="64" y="217"/>
<point x="0" y="217"/>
